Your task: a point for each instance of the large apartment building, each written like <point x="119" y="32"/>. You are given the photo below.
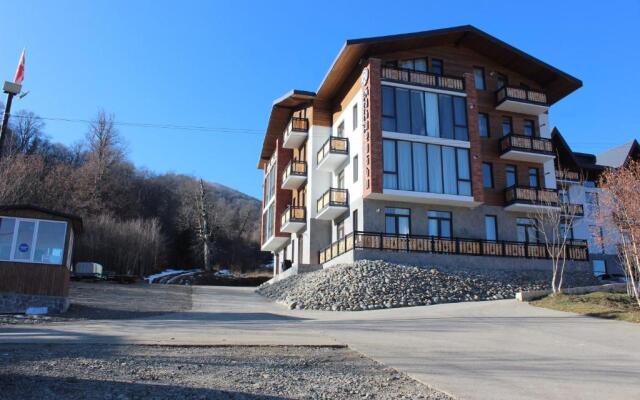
<point x="424" y="148"/>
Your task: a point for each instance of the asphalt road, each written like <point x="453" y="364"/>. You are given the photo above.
<point x="485" y="350"/>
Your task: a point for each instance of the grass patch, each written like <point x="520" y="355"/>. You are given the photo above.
<point x="598" y="304"/>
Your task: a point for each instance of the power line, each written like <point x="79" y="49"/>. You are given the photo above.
<point x="192" y="128"/>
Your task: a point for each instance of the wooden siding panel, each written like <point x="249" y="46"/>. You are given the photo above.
<point x="37" y="279"/>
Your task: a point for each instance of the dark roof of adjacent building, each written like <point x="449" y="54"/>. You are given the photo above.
<point x="75" y="220"/>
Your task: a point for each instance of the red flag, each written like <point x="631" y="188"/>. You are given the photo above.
<point x="20" y="71"/>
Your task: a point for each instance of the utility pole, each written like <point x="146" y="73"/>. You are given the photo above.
<point x="11" y="89"/>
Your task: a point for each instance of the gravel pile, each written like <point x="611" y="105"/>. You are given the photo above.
<point x="371" y="285"/>
<point x="123" y="372"/>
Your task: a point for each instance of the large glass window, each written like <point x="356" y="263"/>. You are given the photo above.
<point x="526" y="230"/>
<point x="426" y="167"/>
<point x="491" y="227"/>
<point x="483" y="124"/>
<point x="510" y="175"/>
<point x="507" y="126"/>
<point x="501" y="81"/>
<point x="478" y="77"/>
<point x="439" y="223"/>
<point x="534" y="182"/>
<point x="390" y="179"/>
<point x="437" y="66"/>
<point x="28" y="240"/>
<point x="397" y="221"/>
<point x="599" y="267"/>
<point x="424" y="113"/>
<point x="529" y="128"/>
<point x="487" y="175"/>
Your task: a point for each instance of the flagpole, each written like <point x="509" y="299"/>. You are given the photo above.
<point x="11" y="89"/>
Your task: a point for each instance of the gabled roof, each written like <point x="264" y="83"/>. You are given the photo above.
<point x="618" y="156"/>
<point x="556" y="83"/>
<point x="280" y="112"/>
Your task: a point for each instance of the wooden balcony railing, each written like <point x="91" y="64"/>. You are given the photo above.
<point x="296" y="124"/>
<point x="528" y="195"/>
<point x="294" y="167"/>
<point x="520" y="94"/>
<point x="293" y="214"/>
<point x="334" y="144"/>
<point x="572" y="209"/>
<point x="575" y="249"/>
<point x="567" y="176"/>
<point x="333" y="198"/>
<point x="423" y="79"/>
<point x="528" y="144"/>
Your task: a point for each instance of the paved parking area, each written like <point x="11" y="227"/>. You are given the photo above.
<point x="485" y="350"/>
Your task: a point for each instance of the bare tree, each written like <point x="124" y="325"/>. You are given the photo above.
<point x="619" y="212"/>
<point x="205" y="224"/>
<point x="553" y="222"/>
<point x="25" y="133"/>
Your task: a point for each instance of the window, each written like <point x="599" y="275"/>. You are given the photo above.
<point x="340" y="180"/>
<point x="483" y="124"/>
<point x="526" y="230"/>
<point x="354" y="113"/>
<point x="487" y="175"/>
<point x="437" y="66"/>
<point x="354" y="220"/>
<point x="424" y="113"/>
<point x="406" y="64"/>
<point x="439" y="223"/>
<point x="596" y="244"/>
<point x="507" y="126"/>
<point x="501" y="81"/>
<point x="533" y="178"/>
<point x="529" y="128"/>
<point x="599" y="267"/>
<point x="478" y="77"/>
<point x="355" y="169"/>
<point x="397" y="221"/>
<point x="491" y="227"/>
<point x="340" y="130"/>
<point x="563" y="195"/>
<point x="30" y="240"/>
<point x="420" y="64"/>
<point x="566" y="229"/>
<point x="591" y="200"/>
<point x="511" y="176"/>
<point x="424" y="167"/>
<point x="340" y="230"/>
<point x="390" y="177"/>
<point x="267" y="223"/>
<point x="270" y="184"/>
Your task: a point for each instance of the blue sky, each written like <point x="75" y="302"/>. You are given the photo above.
<point x="221" y="64"/>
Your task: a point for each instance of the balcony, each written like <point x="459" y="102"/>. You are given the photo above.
<point x="575" y="249"/>
<point x="293" y="219"/>
<point x="525" y="199"/>
<point x="520" y="100"/>
<point x="526" y="148"/>
<point x="577" y="210"/>
<point x="296" y="133"/>
<point x="332" y="204"/>
<point x="567" y="176"/>
<point x="294" y="175"/>
<point x="419" y="78"/>
<point x="334" y="152"/>
<point x="274" y="243"/>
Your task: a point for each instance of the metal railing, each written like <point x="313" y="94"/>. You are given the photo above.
<point x="575" y="249"/>
<point x="525" y="143"/>
<point x="520" y="94"/>
<point x="529" y="195"/>
<point x="334" y="144"/>
<point x="296" y="124"/>
<point x="421" y="78"/>
<point x="296" y="168"/>
<point x="293" y="214"/>
<point x="567" y="176"/>
<point x="333" y="197"/>
<point x="572" y="209"/>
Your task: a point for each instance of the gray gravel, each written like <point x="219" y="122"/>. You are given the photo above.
<point x="106" y="300"/>
<point x="234" y="372"/>
<point x="371" y="285"/>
